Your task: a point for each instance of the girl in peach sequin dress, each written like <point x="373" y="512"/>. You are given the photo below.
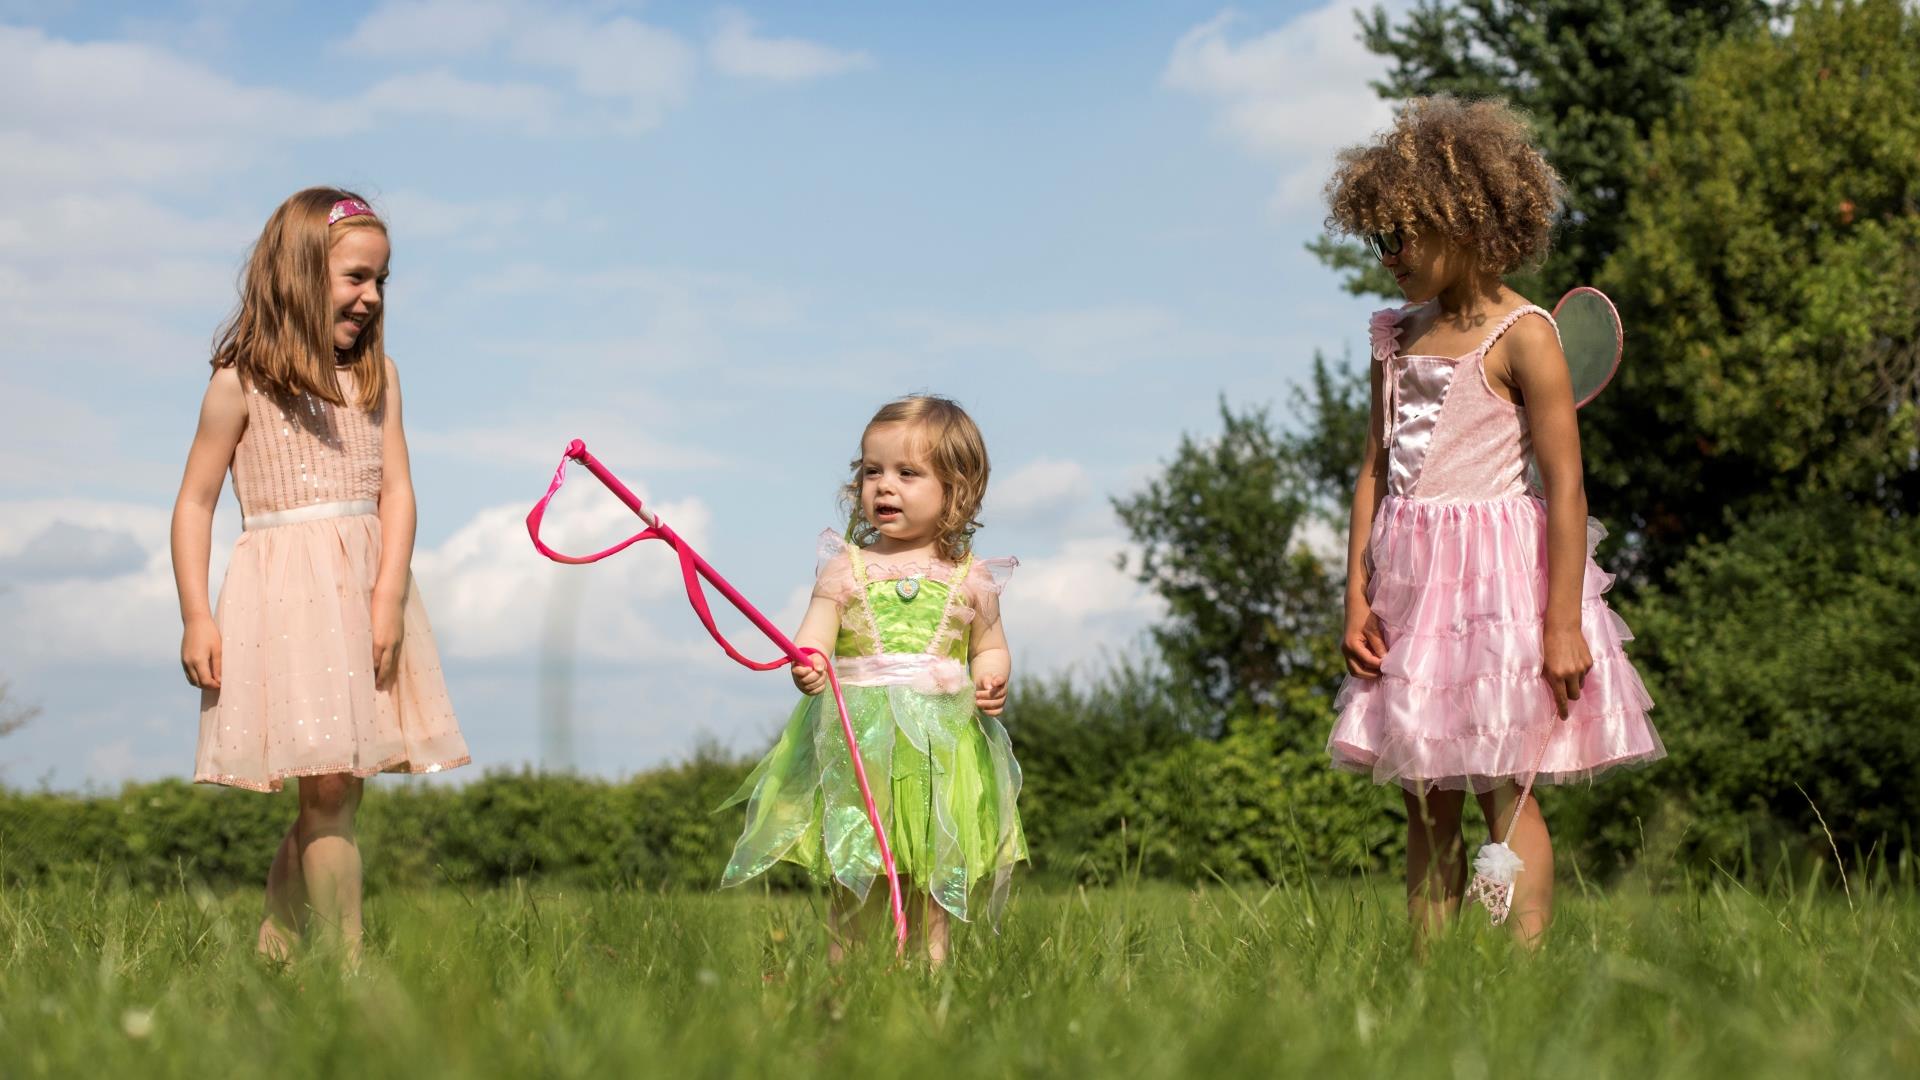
<point x="1479" y="644"/>
<point x="318" y="663"/>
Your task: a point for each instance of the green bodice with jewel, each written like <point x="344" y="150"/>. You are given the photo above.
<point x="910" y="615"/>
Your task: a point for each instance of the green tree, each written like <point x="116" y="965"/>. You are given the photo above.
<point x="1786" y="656"/>
<point x="1250" y="608"/>
<point x="1595" y="76"/>
<point x="1772" y="254"/>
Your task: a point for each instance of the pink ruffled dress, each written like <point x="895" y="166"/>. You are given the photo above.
<point x="1458" y="580"/>
<point x="297" y="694"/>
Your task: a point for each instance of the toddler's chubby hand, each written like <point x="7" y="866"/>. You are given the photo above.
<point x="990" y="694"/>
<point x="811" y="678"/>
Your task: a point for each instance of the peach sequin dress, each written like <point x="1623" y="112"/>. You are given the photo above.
<point x="297" y="694"/>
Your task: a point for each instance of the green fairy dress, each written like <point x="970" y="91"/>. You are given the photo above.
<point x="942" y="772"/>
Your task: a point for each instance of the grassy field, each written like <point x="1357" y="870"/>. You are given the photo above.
<point x="1700" y="979"/>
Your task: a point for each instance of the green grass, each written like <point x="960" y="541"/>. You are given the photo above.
<point x="1698" y="980"/>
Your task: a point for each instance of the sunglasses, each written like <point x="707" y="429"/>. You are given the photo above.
<point x="1383" y="244"/>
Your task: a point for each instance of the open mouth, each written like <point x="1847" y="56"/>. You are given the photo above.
<point x="884" y="513"/>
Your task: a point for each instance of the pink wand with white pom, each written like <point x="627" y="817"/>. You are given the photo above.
<point x="1496" y="866"/>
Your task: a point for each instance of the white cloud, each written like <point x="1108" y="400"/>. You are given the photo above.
<point x="479" y="224"/>
<point x="1099" y="340"/>
<point x="1294" y="95"/>
<point x="649" y="68"/>
<point x="137" y="89"/>
<point x="637" y="71"/>
<point x="487" y="590"/>
<point x="133" y="617"/>
<point x="1071" y="607"/>
<point x="54" y="435"/>
<point x="1045" y="485"/>
<point x="530" y="443"/>
<point x="737" y="50"/>
<point x="523" y="107"/>
<point x="98" y="114"/>
<point x="436" y="27"/>
<point x="112" y="226"/>
<point x="669" y="319"/>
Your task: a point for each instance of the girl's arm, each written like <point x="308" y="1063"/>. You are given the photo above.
<point x="398" y="519"/>
<point x="1537" y="371"/>
<point x="992" y="664"/>
<point x="1362" y="640"/>
<point x="223" y="419"/>
<point x="817" y="631"/>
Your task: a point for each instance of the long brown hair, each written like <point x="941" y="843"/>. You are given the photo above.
<point x="957" y="453"/>
<point x="280" y="338"/>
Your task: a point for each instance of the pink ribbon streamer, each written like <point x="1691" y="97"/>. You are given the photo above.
<point x="694" y="568"/>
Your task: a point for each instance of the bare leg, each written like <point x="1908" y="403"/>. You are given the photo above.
<point x="286" y="915"/>
<point x="330" y="855"/>
<point x="852" y="923"/>
<point x="1533" y="886"/>
<point x="843" y="917"/>
<point x="937" y="927"/>
<point x="1436" y="861"/>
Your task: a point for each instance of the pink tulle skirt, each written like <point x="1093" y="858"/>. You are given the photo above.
<point x="297" y="694"/>
<point x="1460" y="590"/>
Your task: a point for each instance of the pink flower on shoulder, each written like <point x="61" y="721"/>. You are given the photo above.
<point x="1383" y="332"/>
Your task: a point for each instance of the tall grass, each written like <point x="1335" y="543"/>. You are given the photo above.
<point x="1702" y="977"/>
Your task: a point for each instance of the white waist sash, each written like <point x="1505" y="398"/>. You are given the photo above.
<point x="316" y="512"/>
<point x="922" y="672"/>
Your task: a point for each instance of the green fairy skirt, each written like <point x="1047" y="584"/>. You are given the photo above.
<point x="943" y="779"/>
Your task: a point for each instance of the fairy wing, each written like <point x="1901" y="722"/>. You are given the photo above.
<point x="1592" y="338"/>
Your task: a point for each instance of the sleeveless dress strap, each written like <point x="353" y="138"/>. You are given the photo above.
<point x="1506" y="324"/>
<point x="1383" y="336"/>
<point x="857" y="560"/>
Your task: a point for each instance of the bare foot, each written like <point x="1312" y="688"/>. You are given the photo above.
<point x="272" y="942"/>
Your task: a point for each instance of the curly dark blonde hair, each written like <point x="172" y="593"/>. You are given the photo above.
<point x="1467" y="170"/>
<point x="957" y="454"/>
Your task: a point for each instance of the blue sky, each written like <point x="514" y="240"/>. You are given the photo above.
<point x="708" y="239"/>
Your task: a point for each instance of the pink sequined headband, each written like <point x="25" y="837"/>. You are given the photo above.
<point x="347" y="208"/>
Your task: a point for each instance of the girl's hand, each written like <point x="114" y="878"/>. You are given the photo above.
<point x="1365" y="646"/>
<point x="389" y="627"/>
<point x="990" y="694"/>
<point x="812" y="678"/>
<point x="200" y="652"/>
<point x="1564" y="664"/>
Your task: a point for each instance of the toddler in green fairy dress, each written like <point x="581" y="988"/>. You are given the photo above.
<point x="912" y="620"/>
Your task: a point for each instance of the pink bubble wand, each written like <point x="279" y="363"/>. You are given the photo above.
<point x="693" y="569"/>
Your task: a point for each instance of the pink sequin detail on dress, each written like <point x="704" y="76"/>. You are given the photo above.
<point x="297" y="694"/>
<point x="1459" y="583"/>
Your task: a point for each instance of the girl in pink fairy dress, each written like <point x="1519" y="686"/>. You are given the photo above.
<point x="318" y="662"/>
<point x="1480" y="650"/>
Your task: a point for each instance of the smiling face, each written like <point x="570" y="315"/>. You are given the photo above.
<point x="1427" y="265"/>
<point x="899" y="493"/>
<point x="356" y="282"/>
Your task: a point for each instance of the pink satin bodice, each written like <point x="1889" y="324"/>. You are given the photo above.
<point x="1449" y="438"/>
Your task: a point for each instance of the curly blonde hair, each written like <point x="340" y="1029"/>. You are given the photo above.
<point x="1467" y="170"/>
<point x="957" y="454"/>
